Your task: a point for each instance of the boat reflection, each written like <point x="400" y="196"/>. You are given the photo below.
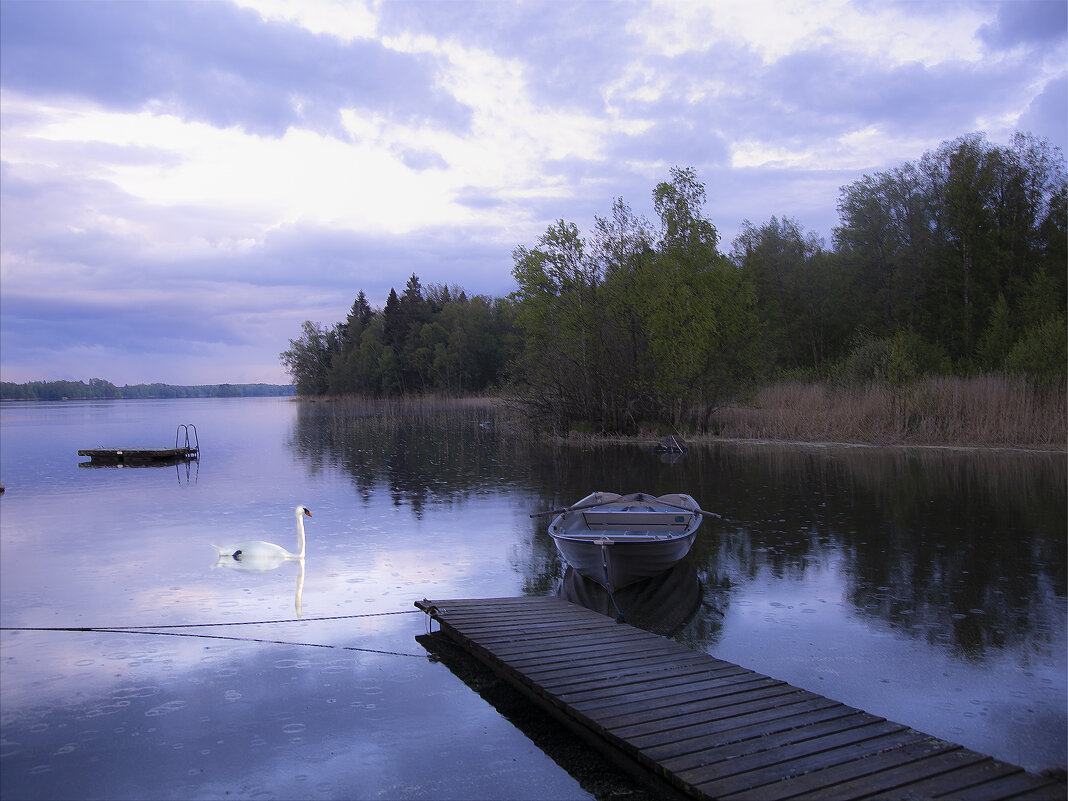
<point x="661" y="604"/>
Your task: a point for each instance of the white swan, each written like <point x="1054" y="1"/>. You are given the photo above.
<point x="257" y="555"/>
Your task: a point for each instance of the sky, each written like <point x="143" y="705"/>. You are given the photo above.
<point x="182" y="184"/>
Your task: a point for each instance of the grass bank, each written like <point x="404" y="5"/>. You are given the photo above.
<point x="984" y="411"/>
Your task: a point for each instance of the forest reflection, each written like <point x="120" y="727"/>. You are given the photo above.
<point x="420" y="451"/>
<point x="960" y="548"/>
<point x="965" y="550"/>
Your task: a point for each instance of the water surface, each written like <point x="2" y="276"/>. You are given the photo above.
<point x="924" y="586"/>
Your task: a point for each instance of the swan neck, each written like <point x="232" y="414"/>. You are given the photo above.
<point x="300" y="536"/>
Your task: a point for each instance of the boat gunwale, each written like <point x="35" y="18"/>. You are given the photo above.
<point x="623" y="535"/>
<point x="622" y="506"/>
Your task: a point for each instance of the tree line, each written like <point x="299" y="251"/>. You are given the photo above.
<point x="99" y="389"/>
<point x="962" y="254"/>
<point x="426" y="340"/>
<point x="953" y="264"/>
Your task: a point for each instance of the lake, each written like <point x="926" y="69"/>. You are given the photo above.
<point x="925" y="586"/>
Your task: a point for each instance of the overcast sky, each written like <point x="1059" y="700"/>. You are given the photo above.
<point x="183" y="183"/>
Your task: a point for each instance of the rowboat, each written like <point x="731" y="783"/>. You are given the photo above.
<point x="617" y="540"/>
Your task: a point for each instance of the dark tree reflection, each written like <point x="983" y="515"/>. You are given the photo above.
<point x="965" y="550"/>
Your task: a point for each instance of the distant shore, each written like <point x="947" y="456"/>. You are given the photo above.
<point x="98" y="389"/>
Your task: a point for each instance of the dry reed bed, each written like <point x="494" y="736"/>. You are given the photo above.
<point x="981" y="411"/>
<point x="990" y="410"/>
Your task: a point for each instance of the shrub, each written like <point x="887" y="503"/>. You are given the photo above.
<point x="1042" y="353"/>
<point x="898" y="360"/>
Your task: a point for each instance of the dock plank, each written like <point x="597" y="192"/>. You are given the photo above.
<point x="621" y="712"/>
<point x="695" y="767"/>
<point x="776" y="766"/>
<point x="836" y="779"/>
<point x="708" y="728"/>
<point x="691" y="737"/>
<point x="966" y="769"/>
<point x="789" y="728"/>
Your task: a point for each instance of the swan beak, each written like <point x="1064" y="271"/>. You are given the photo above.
<point x="309" y="514"/>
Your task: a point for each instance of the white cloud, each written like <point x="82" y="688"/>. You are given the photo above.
<point x="857" y="149"/>
<point x="511" y="136"/>
<point x="303" y="175"/>
<point x="345" y="19"/>
<point x="363" y="183"/>
<point x="775" y="28"/>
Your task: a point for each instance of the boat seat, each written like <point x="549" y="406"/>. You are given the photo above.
<point x="644" y="521"/>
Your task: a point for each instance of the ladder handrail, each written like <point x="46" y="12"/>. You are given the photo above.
<point x="196" y="439"/>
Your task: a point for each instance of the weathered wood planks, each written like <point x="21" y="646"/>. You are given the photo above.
<point x="140" y="456"/>
<point x="709" y="728"/>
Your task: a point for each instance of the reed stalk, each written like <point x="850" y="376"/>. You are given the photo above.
<point x="988" y="410"/>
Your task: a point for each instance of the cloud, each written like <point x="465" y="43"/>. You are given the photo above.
<point x="1047" y="113"/>
<point x="213" y="63"/>
<point x="263" y="161"/>
<point x="1025" y="22"/>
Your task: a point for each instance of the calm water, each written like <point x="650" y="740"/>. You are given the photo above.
<point x="927" y="587"/>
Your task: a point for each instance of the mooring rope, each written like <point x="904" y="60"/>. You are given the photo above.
<point x="150" y="630"/>
<point x="608" y="584"/>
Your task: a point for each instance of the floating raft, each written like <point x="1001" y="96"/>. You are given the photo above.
<point x="140" y="456"/>
<point x="147" y="457"/>
<point x="707" y="728"/>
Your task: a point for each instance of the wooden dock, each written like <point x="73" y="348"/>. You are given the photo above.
<point x="184" y="450"/>
<point x="139" y="457"/>
<point x="707" y="728"/>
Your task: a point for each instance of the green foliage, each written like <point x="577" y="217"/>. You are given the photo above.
<point x="797" y="295"/>
<point x="432" y="340"/>
<point x="934" y="246"/>
<point x="628" y="329"/>
<point x="308" y="359"/>
<point x="1042" y="353"/>
<point x="1044" y="297"/>
<point x="896" y="360"/>
<point x="997" y="339"/>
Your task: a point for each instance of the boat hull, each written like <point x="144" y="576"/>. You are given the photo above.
<point x="616" y="563"/>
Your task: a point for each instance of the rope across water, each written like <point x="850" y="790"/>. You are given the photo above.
<point x="154" y="630"/>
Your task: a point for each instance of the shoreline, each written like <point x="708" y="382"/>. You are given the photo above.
<point x="1018" y="448"/>
<point x="506" y="408"/>
<point x="712" y="439"/>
